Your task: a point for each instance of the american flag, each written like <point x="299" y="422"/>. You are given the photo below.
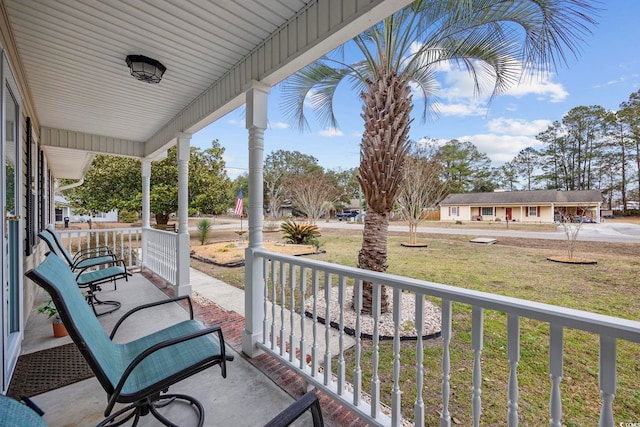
<point x="238" y="209"/>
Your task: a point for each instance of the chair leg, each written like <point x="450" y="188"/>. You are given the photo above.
<point x="149" y="406"/>
<point x="171" y="398"/>
<point x="93" y="300"/>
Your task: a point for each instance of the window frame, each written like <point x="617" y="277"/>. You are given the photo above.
<point x="490" y="213"/>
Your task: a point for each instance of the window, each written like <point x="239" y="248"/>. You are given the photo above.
<point x="487" y="211"/>
<point x="533" y="211"/>
<point x="454" y="211"/>
<point x="31" y="190"/>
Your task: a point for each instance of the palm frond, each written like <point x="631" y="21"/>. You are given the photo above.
<point x="298" y="87"/>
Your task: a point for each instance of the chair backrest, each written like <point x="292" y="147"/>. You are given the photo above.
<point x="61" y="250"/>
<point x="82" y="324"/>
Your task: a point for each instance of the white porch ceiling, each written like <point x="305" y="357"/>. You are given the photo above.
<point x="72" y="53"/>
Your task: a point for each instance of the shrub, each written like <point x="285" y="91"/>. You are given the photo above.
<point x="299" y="233"/>
<point x="204" y="226"/>
<point x="270" y="226"/>
<point x="127" y="216"/>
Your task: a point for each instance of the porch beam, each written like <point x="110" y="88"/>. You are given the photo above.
<point x="256" y="123"/>
<point x="60" y="138"/>
<point x="183" y="284"/>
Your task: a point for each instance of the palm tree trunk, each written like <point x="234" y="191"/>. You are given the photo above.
<point x="373" y="256"/>
<point x="385" y="143"/>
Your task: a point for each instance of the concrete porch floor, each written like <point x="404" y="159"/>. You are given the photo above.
<point x="254" y="391"/>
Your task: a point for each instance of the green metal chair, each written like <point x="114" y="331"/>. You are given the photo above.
<point x="138" y="373"/>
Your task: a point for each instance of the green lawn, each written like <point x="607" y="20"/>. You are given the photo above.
<point x="517" y="268"/>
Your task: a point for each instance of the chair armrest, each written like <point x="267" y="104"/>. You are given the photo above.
<point x="296" y="409"/>
<point x="88" y="252"/>
<point x="164" y="344"/>
<point x="149" y="305"/>
<point x="114" y="262"/>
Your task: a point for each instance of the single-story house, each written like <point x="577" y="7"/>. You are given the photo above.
<point x="524" y="206"/>
<point x="63" y="210"/>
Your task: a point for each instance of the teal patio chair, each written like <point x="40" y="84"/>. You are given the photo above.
<point x="82" y="259"/>
<point x="88" y="277"/>
<point x="138" y="373"/>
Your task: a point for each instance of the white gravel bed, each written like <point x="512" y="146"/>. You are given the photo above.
<point x="432" y="315"/>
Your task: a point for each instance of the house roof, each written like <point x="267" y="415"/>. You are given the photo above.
<point x="524" y="198"/>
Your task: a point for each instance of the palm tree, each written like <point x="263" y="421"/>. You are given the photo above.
<point x="496" y="41"/>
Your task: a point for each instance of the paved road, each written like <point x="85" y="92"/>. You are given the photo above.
<point x="620" y="232"/>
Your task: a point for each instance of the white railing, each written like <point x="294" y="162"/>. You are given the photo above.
<point x="161" y="253"/>
<point x="286" y="278"/>
<point x="125" y="242"/>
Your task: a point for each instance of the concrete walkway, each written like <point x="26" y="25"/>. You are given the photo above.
<point x="231" y="298"/>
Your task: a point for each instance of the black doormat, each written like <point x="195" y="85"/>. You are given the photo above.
<point x="46" y="370"/>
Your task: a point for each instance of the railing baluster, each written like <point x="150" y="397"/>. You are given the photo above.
<point x="283" y="279"/>
<point x="314" y="346"/>
<point x="418" y="406"/>
<point x="303" y="342"/>
<point x="396" y="408"/>
<point x="607" y="379"/>
<point x="513" y="350"/>
<point x="327" y="328"/>
<point x="445" y="417"/>
<point x="265" y="281"/>
<point x="555" y="373"/>
<point x="477" y="327"/>
<point x="357" y="370"/>
<point x="292" y="312"/>
<point x="274" y="281"/>
<point x="342" y="285"/>
<point x="375" y="379"/>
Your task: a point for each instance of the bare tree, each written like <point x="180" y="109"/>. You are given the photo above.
<point x="421" y="187"/>
<point x="571" y="224"/>
<point x="279" y="165"/>
<point x="311" y="192"/>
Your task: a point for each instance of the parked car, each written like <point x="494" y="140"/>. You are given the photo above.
<point x="583" y="219"/>
<point x="347" y="214"/>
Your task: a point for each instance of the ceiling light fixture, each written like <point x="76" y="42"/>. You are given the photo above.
<point x="145" y="69"/>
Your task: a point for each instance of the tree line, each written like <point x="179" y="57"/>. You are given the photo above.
<point x="590" y="148"/>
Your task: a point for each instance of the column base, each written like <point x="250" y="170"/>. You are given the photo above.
<point x="249" y="346"/>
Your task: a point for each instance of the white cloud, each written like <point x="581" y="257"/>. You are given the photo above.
<point x="518" y="126"/>
<point x="500" y="148"/>
<point x="330" y="132"/>
<point x="278" y="125"/>
<point x="540" y="85"/>
<point x="469" y="108"/>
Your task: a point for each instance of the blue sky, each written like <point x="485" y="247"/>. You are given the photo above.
<point x="606" y="73"/>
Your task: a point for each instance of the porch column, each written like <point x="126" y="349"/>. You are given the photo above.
<point x="256" y="122"/>
<point x="183" y="284"/>
<point x="146" y="211"/>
